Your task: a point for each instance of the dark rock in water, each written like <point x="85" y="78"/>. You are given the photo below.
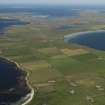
<point x="13" y="84"/>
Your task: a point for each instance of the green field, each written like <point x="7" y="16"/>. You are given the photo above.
<point x="60" y="73"/>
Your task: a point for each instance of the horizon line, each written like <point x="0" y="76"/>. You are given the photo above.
<point x="52" y="4"/>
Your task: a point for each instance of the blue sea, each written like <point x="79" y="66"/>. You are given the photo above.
<point x="94" y="40"/>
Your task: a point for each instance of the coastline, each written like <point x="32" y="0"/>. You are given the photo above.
<point x="73" y="35"/>
<point x="31" y="94"/>
<point x="28" y="98"/>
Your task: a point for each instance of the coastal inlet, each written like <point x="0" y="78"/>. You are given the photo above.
<point x="13" y="84"/>
<point x="91" y="39"/>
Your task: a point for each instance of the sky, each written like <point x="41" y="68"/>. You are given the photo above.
<point x="76" y="2"/>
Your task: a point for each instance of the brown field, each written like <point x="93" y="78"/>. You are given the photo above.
<point x="71" y="52"/>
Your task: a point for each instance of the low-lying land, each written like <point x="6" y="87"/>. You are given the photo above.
<point x="60" y="73"/>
